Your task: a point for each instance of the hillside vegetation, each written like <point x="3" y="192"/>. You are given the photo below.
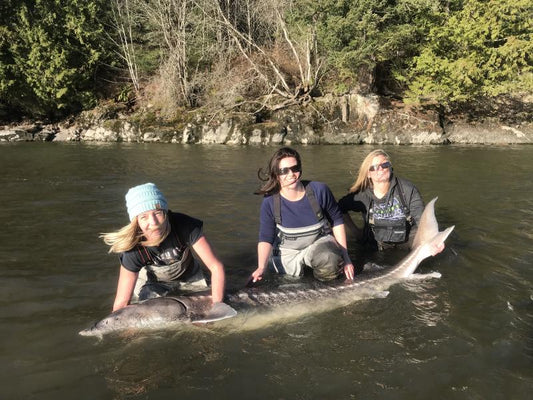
<point x="58" y="57"/>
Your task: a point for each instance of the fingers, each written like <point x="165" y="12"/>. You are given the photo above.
<point x="250" y="282"/>
<point x="438" y="248"/>
<point x="257" y="275"/>
<point x="349" y="271"/>
<point x="253" y="279"/>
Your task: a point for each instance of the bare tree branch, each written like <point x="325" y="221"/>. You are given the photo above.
<point x="123" y="21"/>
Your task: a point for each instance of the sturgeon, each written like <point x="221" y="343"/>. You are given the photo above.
<point x="163" y="312"/>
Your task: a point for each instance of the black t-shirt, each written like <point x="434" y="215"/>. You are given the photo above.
<point x="184" y="232"/>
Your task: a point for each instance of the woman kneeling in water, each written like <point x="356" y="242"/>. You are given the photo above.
<point x="300" y="224"/>
<point x="155" y="251"/>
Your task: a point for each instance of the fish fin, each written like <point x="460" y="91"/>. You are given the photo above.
<point x="428" y="226"/>
<point x="218" y="312"/>
<point x="428" y="234"/>
<point x="421" y="277"/>
<point x="430" y="248"/>
<point x="370" y="293"/>
<point x="381" y="294"/>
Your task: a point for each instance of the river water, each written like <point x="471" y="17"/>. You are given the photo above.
<point x="468" y="335"/>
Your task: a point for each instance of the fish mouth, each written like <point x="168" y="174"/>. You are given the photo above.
<point x="90" y="332"/>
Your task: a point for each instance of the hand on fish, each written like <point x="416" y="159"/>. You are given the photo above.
<point x="218" y="311"/>
<point x="349" y="271"/>
<point x="257" y="275"/>
<point x="436" y="248"/>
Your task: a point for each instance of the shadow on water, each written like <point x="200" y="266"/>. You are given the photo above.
<point x="466" y="335"/>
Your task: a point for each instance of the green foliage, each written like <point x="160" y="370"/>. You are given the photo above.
<point x="7" y="75"/>
<point x="358" y="35"/>
<point x="51" y="50"/>
<point x="483" y="50"/>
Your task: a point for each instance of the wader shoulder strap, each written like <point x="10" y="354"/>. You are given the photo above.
<point x="404" y="203"/>
<point x="370" y="212"/>
<point x="277" y="208"/>
<point x="276" y="198"/>
<point x="181" y="247"/>
<point x="148" y="258"/>
<point x="314" y="202"/>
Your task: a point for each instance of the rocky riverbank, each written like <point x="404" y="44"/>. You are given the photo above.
<point x="350" y="119"/>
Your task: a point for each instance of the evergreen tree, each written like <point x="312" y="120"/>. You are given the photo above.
<point x="481" y="51"/>
<point x="369" y="40"/>
<point x="51" y="50"/>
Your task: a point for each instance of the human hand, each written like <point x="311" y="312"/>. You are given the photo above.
<point x="437" y="248"/>
<point x="257" y="275"/>
<point x="218" y="311"/>
<point x="349" y="271"/>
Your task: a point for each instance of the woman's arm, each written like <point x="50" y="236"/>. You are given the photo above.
<point x="126" y="284"/>
<point x="340" y="235"/>
<point x="263" y="252"/>
<point x="215" y="266"/>
<point x="352" y="228"/>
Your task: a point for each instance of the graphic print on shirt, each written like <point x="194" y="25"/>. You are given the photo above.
<point x="390" y="211"/>
<point x="171" y="251"/>
<point x="168" y="257"/>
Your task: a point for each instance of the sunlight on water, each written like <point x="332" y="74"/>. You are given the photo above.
<point x="255" y="319"/>
<point x="467" y="335"/>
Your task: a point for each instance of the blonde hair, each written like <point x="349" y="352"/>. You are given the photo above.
<point x="363" y="181"/>
<point x="131" y="235"/>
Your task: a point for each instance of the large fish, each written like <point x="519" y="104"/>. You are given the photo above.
<point x="164" y="311"/>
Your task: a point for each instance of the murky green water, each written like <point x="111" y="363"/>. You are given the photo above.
<point x="468" y="335"/>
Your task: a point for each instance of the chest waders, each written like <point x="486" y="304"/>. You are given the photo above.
<point x="311" y="246"/>
<point x="158" y="280"/>
<point x="390" y="232"/>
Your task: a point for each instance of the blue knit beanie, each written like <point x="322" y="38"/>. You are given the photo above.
<point x="143" y="198"/>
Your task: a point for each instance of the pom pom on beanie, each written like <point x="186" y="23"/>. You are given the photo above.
<point x="144" y="198"/>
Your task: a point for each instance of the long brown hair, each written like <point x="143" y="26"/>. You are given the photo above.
<point x="270" y="176"/>
<point x="363" y="181"/>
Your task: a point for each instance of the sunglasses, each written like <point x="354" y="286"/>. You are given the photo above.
<point x="385" y="165"/>
<point x="295" y="169"/>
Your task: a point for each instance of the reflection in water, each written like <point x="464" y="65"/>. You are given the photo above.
<point x="136" y="367"/>
<point x="431" y="307"/>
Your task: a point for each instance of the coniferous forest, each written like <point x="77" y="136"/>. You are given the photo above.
<point x="58" y="57"/>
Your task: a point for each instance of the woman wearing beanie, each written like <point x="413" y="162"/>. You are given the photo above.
<point x="155" y="251"/>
